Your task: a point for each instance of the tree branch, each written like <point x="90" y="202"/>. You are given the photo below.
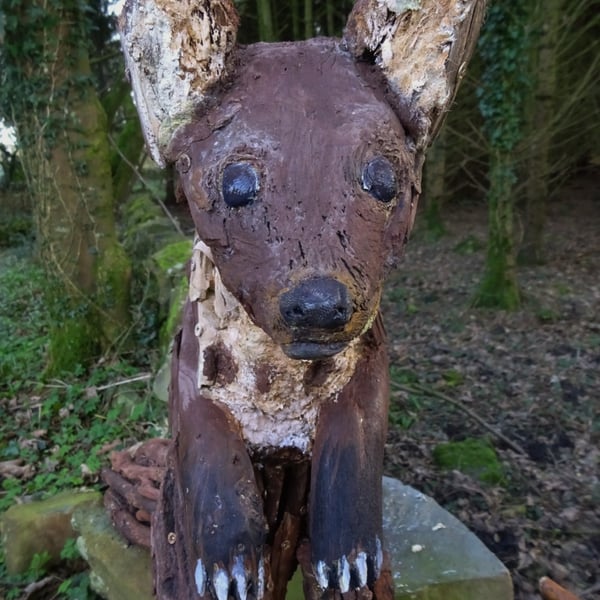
<point x="417" y="388"/>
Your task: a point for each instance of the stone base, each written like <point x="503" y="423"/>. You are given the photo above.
<point x="433" y="555"/>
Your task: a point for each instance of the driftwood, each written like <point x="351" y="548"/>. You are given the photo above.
<point x="301" y="164"/>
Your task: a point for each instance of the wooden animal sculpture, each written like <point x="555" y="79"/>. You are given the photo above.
<point x="301" y="163"/>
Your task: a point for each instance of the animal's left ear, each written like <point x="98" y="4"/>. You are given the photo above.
<point x="422" y="48"/>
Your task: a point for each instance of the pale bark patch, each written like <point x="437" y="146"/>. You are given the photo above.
<point x="286" y="414"/>
<point x="175" y="51"/>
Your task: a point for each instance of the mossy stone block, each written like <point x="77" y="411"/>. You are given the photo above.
<point x="38" y="527"/>
<point x="119" y="571"/>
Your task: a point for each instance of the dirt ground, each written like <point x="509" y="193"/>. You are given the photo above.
<point x="532" y="375"/>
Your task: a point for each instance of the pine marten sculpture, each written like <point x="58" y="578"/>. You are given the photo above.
<point x="301" y="163"/>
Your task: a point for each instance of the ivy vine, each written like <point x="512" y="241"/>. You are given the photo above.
<point x="505" y="83"/>
<point x="28" y="33"/>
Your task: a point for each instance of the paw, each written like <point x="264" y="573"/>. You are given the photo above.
<point x="358" y="569"/>
<point x="243" y="578"/>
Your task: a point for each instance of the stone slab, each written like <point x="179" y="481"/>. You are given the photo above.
<point x="433" y="555"/>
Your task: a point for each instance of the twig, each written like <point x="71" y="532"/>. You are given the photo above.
<point x="591" y="590"/>
<point x="37" y="586"/>
<point x="142" y="377"/>
<point x="148" y="187"/>
<point x="416" y="388"/>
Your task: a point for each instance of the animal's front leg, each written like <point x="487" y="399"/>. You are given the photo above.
<point x="209" y="532"/>
<point x="345" y="516"/>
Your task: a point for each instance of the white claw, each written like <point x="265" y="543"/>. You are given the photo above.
<point x="322" y="575"/>
<point x="378" y="557"/>
<point x="221" y="583"/>
<point x="200" y="577"/>
<point x="239" y="576"/>
<point x="260" y="592"/>
<point x="344" y="574"/>
<point x="361" y="568"/>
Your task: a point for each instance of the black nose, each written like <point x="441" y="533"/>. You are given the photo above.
<point x="319" y="303"/>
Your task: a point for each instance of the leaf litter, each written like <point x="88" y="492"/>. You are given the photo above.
<point x="533" y="375"/>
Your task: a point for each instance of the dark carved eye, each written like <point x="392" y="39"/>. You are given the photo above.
<point x="379" y="179"/>
<point x="240" y="184"/>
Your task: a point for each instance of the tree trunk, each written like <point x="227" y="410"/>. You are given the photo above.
<point x="541" y="111"/>
<point x="498" y="288"/>
<point x="330" y="17"/>
<point x="127" y="153"/>
<point x="308" y="19"/>
<point x="266" y="32"/>
<point x="434" y="186"/>
<point x="296" y="21"/>
<point x="503" y="92"/>
<point x="66" y="157"/>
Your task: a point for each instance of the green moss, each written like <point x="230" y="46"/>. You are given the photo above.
<point x="173" y="288"/>
<point x="475" y="457"/>
<point x="173" y="257"/>
<point x="37" y="527"/>
<point x="498" y="289"/>
<point x="147" y="230"/>
<point x="469" y="245"/>
<point x="141" y="209"/>
<point x="177" y="300"/>
<point x="73" y="343"/>
<point x="113" y="281"/>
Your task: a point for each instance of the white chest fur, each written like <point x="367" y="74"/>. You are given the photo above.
<point x="268" y="395"/>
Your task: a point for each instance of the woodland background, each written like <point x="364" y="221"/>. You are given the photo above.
<point x="494" y="316"/>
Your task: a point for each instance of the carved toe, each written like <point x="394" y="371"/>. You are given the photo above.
<point x="356" y="570"/>
<point x="242" y="579"/>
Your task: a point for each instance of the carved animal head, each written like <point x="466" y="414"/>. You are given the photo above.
<point x="301" y="162"/>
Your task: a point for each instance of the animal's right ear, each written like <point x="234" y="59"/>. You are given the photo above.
<point x="176" y="51"/>
<point x="422" y="48"/>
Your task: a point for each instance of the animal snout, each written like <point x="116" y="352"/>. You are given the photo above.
<point x="319" y="303"/>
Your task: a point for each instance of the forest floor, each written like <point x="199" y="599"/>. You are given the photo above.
<point x="533" y="375"/>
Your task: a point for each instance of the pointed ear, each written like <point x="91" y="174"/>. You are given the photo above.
<point x="422" y="48"/>
<point x="175" y="52"/>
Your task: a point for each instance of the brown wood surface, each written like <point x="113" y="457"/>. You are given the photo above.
<point x="550" y="590"/>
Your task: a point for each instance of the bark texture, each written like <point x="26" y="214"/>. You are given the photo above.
<point x="436" y="38"/>
<point x="174" y="52"/>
